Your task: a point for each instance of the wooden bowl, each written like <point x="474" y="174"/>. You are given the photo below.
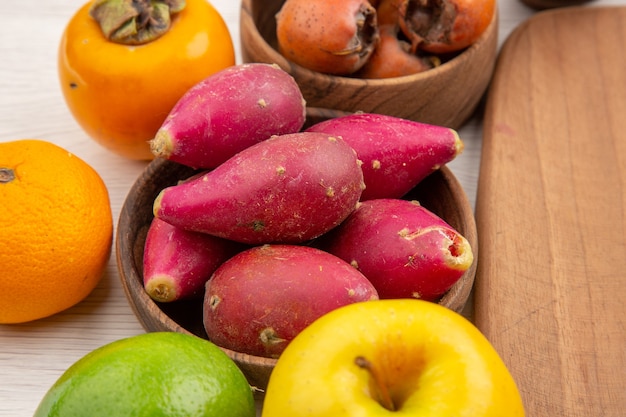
<point x="445" y="96"/>
<point x="440" y="192"/>
<point x="552" y="4"/>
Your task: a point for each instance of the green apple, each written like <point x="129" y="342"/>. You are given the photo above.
<point x="401" y="357"/>
<point x="151" y="375"/>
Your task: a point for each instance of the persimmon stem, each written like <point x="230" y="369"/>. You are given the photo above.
<point x="384" y="398"/>
<point x="134" y="22"/>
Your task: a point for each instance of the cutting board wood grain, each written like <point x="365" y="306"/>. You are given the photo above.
<point x="550" y="291"/>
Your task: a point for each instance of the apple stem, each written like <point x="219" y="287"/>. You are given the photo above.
<point x="383" y="392"/>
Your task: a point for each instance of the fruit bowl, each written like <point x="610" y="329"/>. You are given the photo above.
<point x="440" y="192"/>
<point x="446" y="95"/>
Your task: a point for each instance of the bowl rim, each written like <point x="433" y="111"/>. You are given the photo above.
<point x="459" y="59"/>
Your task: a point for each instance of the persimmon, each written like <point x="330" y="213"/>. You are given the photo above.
<point x="393" y="57"/>
<point x="123" y="64"/>
<point x="443" y="26"/>
<point x="327" y="36"/>
<point x="388" y="12"/>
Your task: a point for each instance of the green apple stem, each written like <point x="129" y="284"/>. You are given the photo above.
<point x="384" y="398"/>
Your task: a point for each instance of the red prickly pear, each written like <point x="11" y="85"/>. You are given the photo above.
<point x="288" y="189"/>
<point x="228" y="112"/>
<point x="396" y="153"/>
<point x="261" y="298"/>
<point x="405" y="250"/>
<point x="178" y="263"/>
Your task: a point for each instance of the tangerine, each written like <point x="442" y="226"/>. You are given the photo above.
<point x="56" y="229"/>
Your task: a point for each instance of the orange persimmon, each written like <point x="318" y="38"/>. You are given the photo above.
<point x="120" y="91"/>
<point x="327" y="36"/>
<point x="392" y="57"/>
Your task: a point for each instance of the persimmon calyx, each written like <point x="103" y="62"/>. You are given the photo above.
<point x="426" y="21"/>
<point x="134" y="22"/>
<point x="367" y="30"/>
<point x="367" y="35"/>
<point x="6" y="175"/>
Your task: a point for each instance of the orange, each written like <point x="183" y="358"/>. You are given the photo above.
<point x="120" y="94"/>
<point x="56" y="230"/>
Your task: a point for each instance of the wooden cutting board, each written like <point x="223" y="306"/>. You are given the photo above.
<point x="551" y="212"/>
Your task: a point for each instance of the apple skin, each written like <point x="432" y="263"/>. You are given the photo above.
<point x="433" y="361"/>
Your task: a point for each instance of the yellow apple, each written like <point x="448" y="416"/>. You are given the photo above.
<point x="400" y="357"/>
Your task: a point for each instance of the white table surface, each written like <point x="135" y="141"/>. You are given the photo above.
<point x="34" y="355"/>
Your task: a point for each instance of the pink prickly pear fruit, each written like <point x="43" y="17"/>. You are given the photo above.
<point x="228" y="112"/>
<point x="261" y="298"/>
<point x="288" y="189"/>
<point x="405" y="250"/>
<point x="396" y="153"/>
<point x="177" y="263"/>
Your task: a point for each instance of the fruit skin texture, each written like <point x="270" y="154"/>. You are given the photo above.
<point x="228" y="112"/>
<point x="121" y="94"/>
<point x="432" y="361"/>
<point x="260" y="299"/>
<point x="153" y="374"/>
<point x="287" y="189"/>
<point x="404" y="249"/>
<point x="396" y="153"/>
<point x="177" y="263"/>
<point x="332" y="37"/>
<point x="56" y="230"/>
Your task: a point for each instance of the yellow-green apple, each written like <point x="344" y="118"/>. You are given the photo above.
<point x="400" y="357"/>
